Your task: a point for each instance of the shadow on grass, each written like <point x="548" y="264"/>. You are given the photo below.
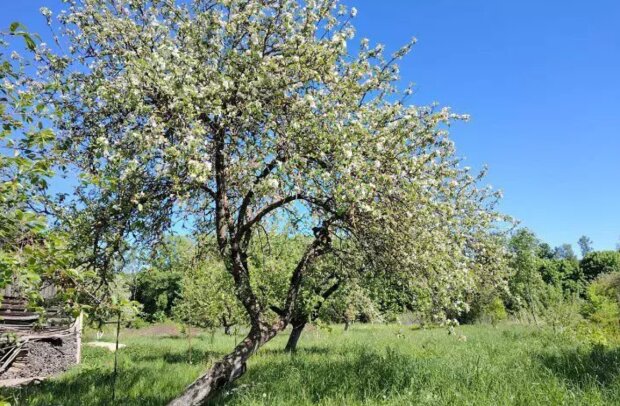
<point x="143" y="379"/>
<point x="300" y="351"/>
<point x="360" y="375"/>
<point x="198" y="355"/>
<point x="598" y="366"/>
<point x="89" y="387"/>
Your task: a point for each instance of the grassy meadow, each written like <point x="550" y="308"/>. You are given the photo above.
<point x="369" y="365"/>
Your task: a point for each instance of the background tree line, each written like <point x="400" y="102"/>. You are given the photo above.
<point x="538" y="284"/>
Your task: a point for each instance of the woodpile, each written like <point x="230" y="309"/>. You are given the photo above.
<point x="35" y="345"/>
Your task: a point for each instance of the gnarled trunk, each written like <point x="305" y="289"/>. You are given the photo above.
<point x="298" y="328"/>
<point x="226" y="370"/>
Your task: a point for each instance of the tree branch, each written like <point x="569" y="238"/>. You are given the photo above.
<point x="248" y="197"/>
<point x="247" y="227"/>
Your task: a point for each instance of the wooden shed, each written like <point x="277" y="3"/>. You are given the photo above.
<point x="35" y="345"/>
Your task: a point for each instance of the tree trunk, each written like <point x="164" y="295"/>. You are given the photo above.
<point x="226" y="370"/>
<point x="298" y="328"/>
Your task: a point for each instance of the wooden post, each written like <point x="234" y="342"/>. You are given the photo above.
<point x="118" y="329"/>
<point x="78" y="337"/>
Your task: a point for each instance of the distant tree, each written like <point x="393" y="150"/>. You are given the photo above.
<point x="564" y="251"/>
<point x="158" y="285"/>
<point x="600" y="262"/>
<point x="585" y="245"/>
<point x="207" y="297"/>
<point x="545" y="251"/>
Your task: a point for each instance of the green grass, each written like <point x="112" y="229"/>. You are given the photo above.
<point x="369" y="365"/>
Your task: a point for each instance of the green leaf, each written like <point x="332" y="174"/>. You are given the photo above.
<point x="14" y="26"/>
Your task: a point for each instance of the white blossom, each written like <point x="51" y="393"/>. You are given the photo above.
<point x="45" y="12"/>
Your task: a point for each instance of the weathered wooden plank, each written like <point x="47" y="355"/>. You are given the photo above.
<point x="19" y="317"/>
<point x="18" y="313"/>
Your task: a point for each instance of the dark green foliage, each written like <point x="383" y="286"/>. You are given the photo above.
<point x="564" y="274"/>
<point x="545" y="251"/>
<point x="600" y="262"/>
<point x="157" y="290"/>
<point x="159" y="285"/>
<point x="543" y="280"/>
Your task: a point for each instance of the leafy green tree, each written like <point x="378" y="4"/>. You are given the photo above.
<point x="496" y="311"/>
<point x="234" y="115"/>
<point x="564" y="274"/>
<point x="599" y="263"/>
<point x="32" y="250"/>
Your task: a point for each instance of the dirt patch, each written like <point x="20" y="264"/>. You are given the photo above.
<point x="155" y="330"/>
<point x="107" y="346"/>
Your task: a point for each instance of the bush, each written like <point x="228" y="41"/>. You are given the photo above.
<point x="603" y="304"/>
<point x="563" y="314"/>
<point x="496" y="311"/>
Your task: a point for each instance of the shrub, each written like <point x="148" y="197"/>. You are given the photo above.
<point x="603" y="303"/>
<point x="496" y="311"/>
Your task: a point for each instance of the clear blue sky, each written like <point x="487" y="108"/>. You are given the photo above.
<point x="541" y="80"/>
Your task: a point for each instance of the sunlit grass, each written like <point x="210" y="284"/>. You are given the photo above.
<point x="369" y="364"/>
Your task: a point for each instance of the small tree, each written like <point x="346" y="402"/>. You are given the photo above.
<point x="526" y="284"/>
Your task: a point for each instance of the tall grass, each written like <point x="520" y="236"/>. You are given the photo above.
<point x="369" y="365"/>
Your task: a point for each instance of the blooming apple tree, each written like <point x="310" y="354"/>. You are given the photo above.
<point x="227" y="115"/>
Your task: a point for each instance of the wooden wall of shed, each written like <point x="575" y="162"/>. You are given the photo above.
<point x="48" y="291"/>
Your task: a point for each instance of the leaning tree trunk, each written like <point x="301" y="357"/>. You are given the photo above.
<point x="226" y="370"/>
<point x="298" y="328"/>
